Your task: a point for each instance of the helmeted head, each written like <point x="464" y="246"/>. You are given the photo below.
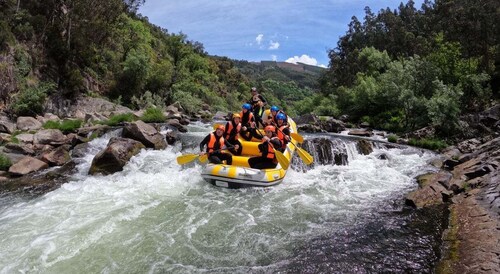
<point x="253" y="89"/>
<point x="281" y="117"/>
<point x="236" y="117"/>
<point x="221" y="127"/>
<point x="275" y="108"/>
<point x="247" y="106"/>
<point x="270" y="129"/>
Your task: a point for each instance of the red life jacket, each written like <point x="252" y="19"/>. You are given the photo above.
<point x="211" y="143"/>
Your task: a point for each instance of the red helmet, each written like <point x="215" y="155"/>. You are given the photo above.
<point x="270" y="128"/>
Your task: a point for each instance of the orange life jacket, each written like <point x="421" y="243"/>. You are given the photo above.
<point x="270" y="150"/>
<point x="211" y="143"/>
<point x="281" y="135"/>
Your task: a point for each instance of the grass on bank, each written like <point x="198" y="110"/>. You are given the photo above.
<point x="117" y="119"/>
<point x="66" y="126"/>
<point x="432" y="144"/>
<point x="153" y="115"/>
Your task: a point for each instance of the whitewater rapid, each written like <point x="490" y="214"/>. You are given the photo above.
<point x="156" y="216"/>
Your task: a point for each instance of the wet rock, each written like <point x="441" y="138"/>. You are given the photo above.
<point x="28" y="123"/>
<point x="80" y="150"/>
<point x="332" y="125"/>
<point x="27" y="165"/>
<point x="171" y="137"/>
<point x="177" y="125"/>
<point x="360" y="132"/>
<point x="364" y="147"/>
<point x="97" y="130"/>
<point x="117" y="153"/>
<point x="144" y="133"/>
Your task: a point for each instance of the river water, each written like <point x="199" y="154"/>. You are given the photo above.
<point x="158" y="217"/>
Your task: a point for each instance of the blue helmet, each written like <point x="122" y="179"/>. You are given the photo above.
<point x="281" y="116"/>
<point x="247" y="106"/>
<point x="275" y="108"/>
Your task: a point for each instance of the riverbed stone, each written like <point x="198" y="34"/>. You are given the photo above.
<point x="27" y="165"/>
<point x="49" y="137"/>
<point x="58" y="157"/>
<point x="144" y="133"/>
<point x="28" y="123"/>
<point x="114" y="157"/>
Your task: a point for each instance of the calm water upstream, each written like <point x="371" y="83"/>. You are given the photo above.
<point x="158" y="217"/>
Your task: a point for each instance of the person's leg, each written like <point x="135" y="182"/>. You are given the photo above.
<point x="246" y="134"/>
<point x="214" y="158"/>
<point x="236" y="151"/>
<point x="252" y="162"/>
<point x="226" y="157"/>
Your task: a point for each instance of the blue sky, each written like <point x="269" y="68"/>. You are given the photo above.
<point x="281" y="30"/>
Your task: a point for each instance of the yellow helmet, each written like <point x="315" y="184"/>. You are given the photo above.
<point x="236" y="115"/>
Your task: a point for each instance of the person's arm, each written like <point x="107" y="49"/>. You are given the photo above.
<point x="264" y="102"/>
<point x="204" y="142"/>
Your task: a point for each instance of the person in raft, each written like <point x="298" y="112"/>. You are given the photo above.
<point x="270" y="142"/>
<point x="272" y="118"/>
<point x="247" y="122"/>
<point x="215" y="143"/>
<point x="282" y="130"/>
<point x="232" y="132"/>
<point x="257" y="102"/>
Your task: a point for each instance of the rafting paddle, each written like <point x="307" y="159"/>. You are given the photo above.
<point x="187" y="158"/>
<point x="282" y="160"/>
<point x="304" y="155"/>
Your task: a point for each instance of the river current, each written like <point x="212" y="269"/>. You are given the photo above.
<point x="158" y="217"/>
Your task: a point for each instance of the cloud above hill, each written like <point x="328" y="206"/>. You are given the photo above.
<point x="305" y="59"/>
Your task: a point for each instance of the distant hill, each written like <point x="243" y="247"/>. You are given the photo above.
<point x="302" y="74"/>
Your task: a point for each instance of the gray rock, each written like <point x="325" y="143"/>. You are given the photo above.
<point x="144" y="133"/>
<point x="49" y="137"/>
<point x="58" y="157"/>
<point x="27" y="165"/>
<point x="6" y="125"/>
<point x="114" y="157"/>
<point x="28" y="123"/>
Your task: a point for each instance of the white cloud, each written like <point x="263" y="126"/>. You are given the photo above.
<point x="273" y="45"/>
<point x="259" y="38"/>
<point x="274" y="57"/>
<point x="305" y="59"/>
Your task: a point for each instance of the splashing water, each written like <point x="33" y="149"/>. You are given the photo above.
<point x="156" y="216"/>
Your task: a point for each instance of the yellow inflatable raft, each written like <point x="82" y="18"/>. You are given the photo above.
<point x="239" y="174"/>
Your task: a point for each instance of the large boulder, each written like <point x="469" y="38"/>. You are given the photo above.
<point x="332" y="125"/>
<point x="27" y="165"/>
<point x="364" y="147"/>
<point x="115" y="155"/>
<point x="28" y="123"/>
<point x="81" y="106"/>
<point x="49" y="137"/>
<point x="306" y="119"/>
<point x="144" y="133"/>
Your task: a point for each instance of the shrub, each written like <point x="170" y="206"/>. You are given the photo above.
<point x="392" y="138"/>
<point x="65" y="126"/>
<point x="29" y="101"/>
<point x="5" y="162"/>
<point x="432" y="144"/>
<point x="153" y="115"/>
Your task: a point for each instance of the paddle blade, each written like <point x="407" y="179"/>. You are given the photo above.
<point x="203" y="158"/>
<point x="297" y="137"/>
<point x="282" y="160"/>
<point x="187" y="158"/>
<point x="305" y="156"/>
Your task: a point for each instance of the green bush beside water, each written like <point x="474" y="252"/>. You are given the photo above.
<point x="5" y="162"/>
<point x="117" y="119"/>
<point x="153" y="115"/>
<point x="432" y="144"/>
<point x="65" y="126"/>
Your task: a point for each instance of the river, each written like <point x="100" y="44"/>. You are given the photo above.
<point x="158" y="217"/>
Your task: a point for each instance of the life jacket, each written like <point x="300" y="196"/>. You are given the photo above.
<point x="270" y="150"/>
<point x="281" y="135"/>
<point x="246" y="121"/>
<point x="211" y="143"/>
<point x="229" y="129"/>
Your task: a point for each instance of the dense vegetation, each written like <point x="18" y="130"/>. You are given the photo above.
<point x="405" y="69"/>
<point x="400" y="69"/>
